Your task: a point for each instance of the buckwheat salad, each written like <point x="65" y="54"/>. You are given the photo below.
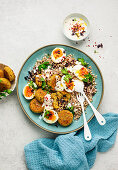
<point x="50" y="87"/>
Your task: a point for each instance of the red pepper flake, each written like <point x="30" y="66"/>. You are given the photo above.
<point x="95" y="42"/>
<point x="88" y="45"/>
<point x="88" y="40"/>
<point x="93" y="45"/>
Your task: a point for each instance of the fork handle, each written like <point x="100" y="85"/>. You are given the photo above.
<point x="98" y="116"/>
<point x="87" y="133"/>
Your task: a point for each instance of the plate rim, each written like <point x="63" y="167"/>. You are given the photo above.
<point x="23" y="107"/>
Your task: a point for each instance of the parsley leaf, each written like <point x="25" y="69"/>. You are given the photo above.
<point x="46" y="114"/>
<point x="32" y="84"/>
<point x="8" y="91"/>
<point x="42" y="79"/>
<point x="2" y="94"/>
<point x="67" y="77"/>
<point x="88" y="77"/>
<point x="0" y="81"/>
<point x="64" y="71"/>
<point x="83" y="62"/>
<point x="43" y="65"/>
<point x="43" y="84"/>
<point x="71" y="109"/>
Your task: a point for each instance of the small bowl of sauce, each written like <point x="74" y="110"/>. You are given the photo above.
<point x="76" y="27"/>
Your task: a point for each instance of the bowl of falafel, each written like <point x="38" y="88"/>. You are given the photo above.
<point x="7" y="81"/>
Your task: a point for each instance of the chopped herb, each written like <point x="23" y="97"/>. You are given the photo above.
<point x="88" y="77"/>
<point x="32" y="84"/>
<point x="46" y="114"/>
<point x="64" y="71"/>
<point x="48" y="55"/>
<point x="67" y="78"/>
<point x="67" y="75"/>
<point x="4" y="93"/>
<point x="83" y="62"/>
<point x="71" y="109"/>
<point x="43" y="84"/>
<point x="0" y="81"/>
<point x="74" y="19"/>
<point x="8" y="91"/>
<point x="42" y="79"/>
<point x="43" y="66"/>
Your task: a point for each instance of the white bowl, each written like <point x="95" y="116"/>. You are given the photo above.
<point x="76" y="15"/>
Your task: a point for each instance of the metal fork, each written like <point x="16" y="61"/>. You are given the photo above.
<point x="87" y="133"/>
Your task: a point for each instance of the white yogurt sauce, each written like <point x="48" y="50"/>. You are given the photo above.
<point x="75" y="34"/>
<point x="48" y="102"/>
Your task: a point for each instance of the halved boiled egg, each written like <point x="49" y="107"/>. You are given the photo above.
<point x="58" y="55"/>
<point x="28" y="92"/>
<point x="68" y="85"/>
<point x="59" y="86"/>
<point x="80" y="71"/>
<point x="50" y="116"/>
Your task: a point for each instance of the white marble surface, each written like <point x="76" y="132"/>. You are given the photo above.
<point x="28" y="25"/>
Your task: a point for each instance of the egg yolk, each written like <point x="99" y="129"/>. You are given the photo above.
<point x="51" y="116"/>
<point x="57" y="53"/>
<point x="70" y="85"/>
<point x="28" y="91"/>
<point x="82" y="72"/>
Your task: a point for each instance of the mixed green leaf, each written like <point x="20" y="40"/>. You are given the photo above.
<point x="88" y="77"/>
<point x="8" y="91"/>
<point x="83" y="62"/>
<point x="43" y="66"/>
<point x="47" y="112"/>
<point x="71" y="109"/>
<point x="32" y="84"/>
<point x="67" y="75"/>
<point x="44" y="85"/>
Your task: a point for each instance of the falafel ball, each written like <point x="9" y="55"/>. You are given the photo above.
<point x="4" y="84"/>
<point x="40" y="95"/>
<point x="9" y="74"/>
<point x="65" y="117"/>
<point x="52" y="81"/>
<point x="38" y="80"/>
<point x="1" y="73"/>
<point x="35" y="106"/>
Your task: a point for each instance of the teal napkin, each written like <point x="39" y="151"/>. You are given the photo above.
<point x="71" y="151"/>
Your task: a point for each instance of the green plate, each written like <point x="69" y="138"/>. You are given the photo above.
<point x="21" y="82"/>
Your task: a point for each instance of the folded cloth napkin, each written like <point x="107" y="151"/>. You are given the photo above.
<point x="71" y="151"/>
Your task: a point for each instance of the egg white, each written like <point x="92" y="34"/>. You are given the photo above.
<point x="60" y="59"/>
<point x="79" y="85"/>
<point x="59" y="86"/>
<point x="76" y="68"/>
